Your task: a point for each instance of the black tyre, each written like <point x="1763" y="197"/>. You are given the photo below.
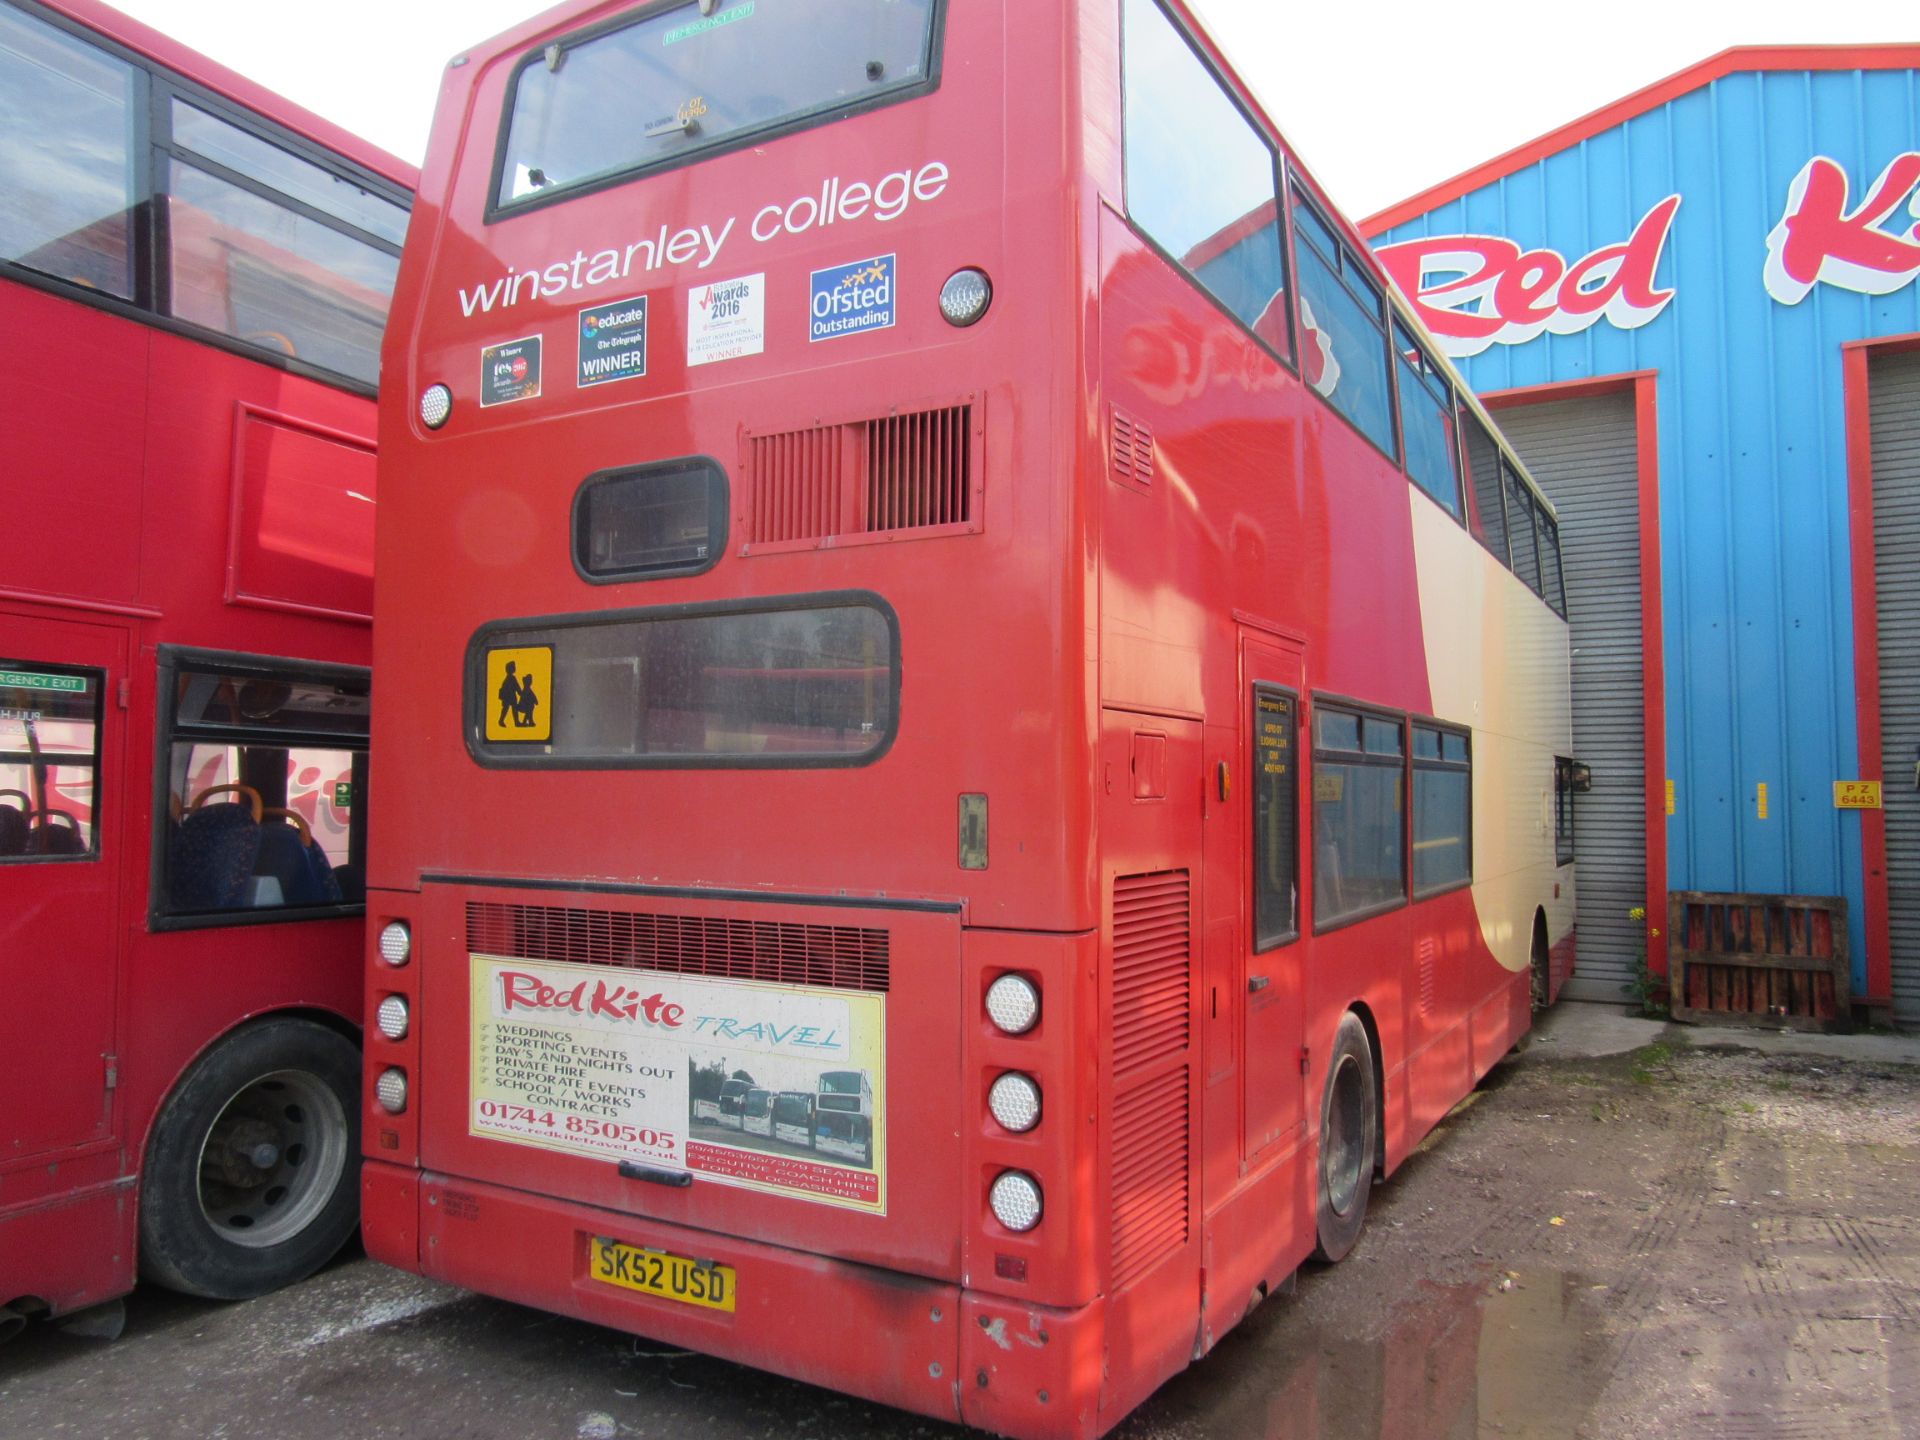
<point x="1349" y="1140"/>
<point x="1541" y="964"/>
<point x="253" y="1171"/>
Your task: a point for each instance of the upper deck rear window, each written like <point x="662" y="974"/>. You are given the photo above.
<point x="693" y="77"/>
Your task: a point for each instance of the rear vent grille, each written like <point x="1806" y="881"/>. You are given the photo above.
<point x="1132" y="450"/>
<point x="1149" y="1176"/>
<point x="795" y="480"/>
<point x="837" y="956"/>
<point x="1152" y="1065"/>
<point x="1152" y="959"/>
<point x="917" y="471"/>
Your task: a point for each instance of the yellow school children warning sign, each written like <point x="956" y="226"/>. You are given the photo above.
<point x="519" y="694"/>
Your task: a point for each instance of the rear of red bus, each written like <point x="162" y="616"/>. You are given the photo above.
<point x="734" y="395"/>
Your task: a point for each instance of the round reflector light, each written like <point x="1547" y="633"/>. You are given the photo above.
<point x="436" y="406"/>
<point x="392" y="1090"/>
<point x="1015" y="1102"/>
<point x="965" y="297"/>
<point x="396" y="943"/>
<point x="1016" y="1200"/>
<point x="1013" y="1004"/>
<point x="392" y="1018"/>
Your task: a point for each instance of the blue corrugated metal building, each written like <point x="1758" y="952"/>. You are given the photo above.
<point x="1698" y="311"/>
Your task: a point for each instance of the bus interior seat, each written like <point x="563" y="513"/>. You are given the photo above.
<point x="48" y="838"/>
<point x="13" y="822"/>
<point x="211" y="857"/>
<point x="289" y="856"/>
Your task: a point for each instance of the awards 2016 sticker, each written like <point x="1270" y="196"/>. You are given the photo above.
<point x="774" y="1088"/>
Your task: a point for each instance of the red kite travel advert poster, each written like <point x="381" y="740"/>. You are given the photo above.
<point x="773" y="1088"/>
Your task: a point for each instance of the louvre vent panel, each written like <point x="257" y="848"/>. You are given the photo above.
<point x="797" y="479"/>
<point x="917" y="470"/>
<point x="835" y="956"/>
<point x="1151" y="1034"/>
<point x="868" y="477"/>
<point x="1152" y="963"/>
<point x="1150" y="1195"/>
<point x="1132" y="449"/>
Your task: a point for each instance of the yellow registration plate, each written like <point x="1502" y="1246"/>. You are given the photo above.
<point x="655" y="1272"/>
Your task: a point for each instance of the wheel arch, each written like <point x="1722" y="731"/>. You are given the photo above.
<point x="1364" y="1012"/>
<point x="319" y="1014"/>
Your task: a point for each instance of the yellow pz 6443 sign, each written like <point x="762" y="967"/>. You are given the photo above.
<point x="1856" y="794"/>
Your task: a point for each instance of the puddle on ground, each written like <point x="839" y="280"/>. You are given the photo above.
<point x="1522" y="1355"/>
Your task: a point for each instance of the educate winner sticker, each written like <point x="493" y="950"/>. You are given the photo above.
<point x="613" y="342"/>
<point x="852" y="299"/>
<point x="510" y="372"/>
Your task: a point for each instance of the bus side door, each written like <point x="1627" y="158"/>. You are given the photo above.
<point x="1274" y="993"/>
<point x="62" y="785"/>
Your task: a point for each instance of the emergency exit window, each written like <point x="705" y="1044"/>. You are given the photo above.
<point x="49" y="762"/>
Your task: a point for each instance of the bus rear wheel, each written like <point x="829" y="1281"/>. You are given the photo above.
<point x="1349" y="1140"/>
<point x="253" y="1170"/>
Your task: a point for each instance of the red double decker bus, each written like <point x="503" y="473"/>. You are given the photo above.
<point x="922" y="566"/>
<point x="194" y="277"/>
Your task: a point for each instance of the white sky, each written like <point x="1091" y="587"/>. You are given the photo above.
<point x="1381" y="98"/>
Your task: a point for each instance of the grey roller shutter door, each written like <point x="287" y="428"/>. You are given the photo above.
<point x="1582" y="453"/>
<point x="1894" y="385"/>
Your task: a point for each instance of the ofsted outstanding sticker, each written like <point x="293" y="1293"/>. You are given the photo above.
<point x="852" y="299"/>
<point x="727" y="320"/>
<point x="613" y="341"/>
<point x="510" y="371"/>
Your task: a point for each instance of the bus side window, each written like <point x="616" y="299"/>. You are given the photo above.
<point x="1483" y="470"/>
<point x="1442" y="809"/>
<point x="1344" y="328"/>
<point x="1359" y="789"/>
<point x="1219" y="221"/>
<point x="49" y="762"/>
<point x="1426" y="421"/>
<point x="70" y="188"/>
<point x="265" y="781"/>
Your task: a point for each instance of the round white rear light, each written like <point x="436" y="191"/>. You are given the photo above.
<point x="1016" y="1200"/>
<point x="1015" y="1102"/>
<point x="436" y="406"/>
<point x="965" y="297"/>
<point x="391" y="1088"/>
<point x="396" y="943"/>
<point x="1013" y="1004"/>
<point x="392" y="1018"/>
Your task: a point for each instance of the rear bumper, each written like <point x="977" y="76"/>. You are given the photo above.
<point x="902" y="1340"/>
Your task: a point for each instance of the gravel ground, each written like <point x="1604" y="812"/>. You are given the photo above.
<point x="1686" y="1239"/>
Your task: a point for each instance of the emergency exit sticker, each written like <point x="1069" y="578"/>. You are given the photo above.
<point x="1856" y="795"/>
<point x="510" y="371"/>
<point x="34" y="680"/>
<point x="519" y="693"/>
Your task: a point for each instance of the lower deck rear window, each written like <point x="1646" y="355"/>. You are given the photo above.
<point x="801" y="681"/>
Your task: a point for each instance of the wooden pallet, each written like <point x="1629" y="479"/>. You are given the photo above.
<point x="1773" y="960"/>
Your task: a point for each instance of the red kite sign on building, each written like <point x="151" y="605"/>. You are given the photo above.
<point x="1473" y="291"/>
<point x="1819" y="241"/>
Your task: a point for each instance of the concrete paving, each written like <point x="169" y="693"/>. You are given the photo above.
<point x="1573" y="1030"/>
<point x="1634" y="1231"/>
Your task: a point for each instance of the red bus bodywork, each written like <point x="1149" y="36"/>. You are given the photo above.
<point x="163" y="488"/>
<point x="1076" y="647"/>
